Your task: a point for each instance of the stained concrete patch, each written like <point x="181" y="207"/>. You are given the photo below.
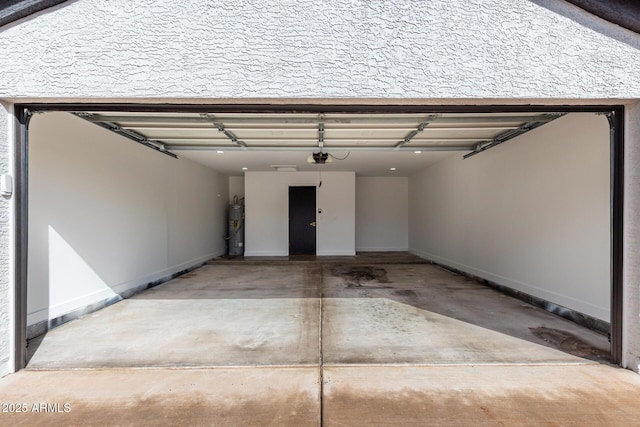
<point x="591" y="395"/>
<point x="426" y="315"/>
<point x="358" y="276"/>
<point x="569" y="343"/>
<point x="382" y="331"/>
<point x="216" y="316"/>
<point x="153" y="397"/>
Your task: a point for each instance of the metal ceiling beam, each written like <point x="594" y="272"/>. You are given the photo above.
<point x="218" y="124"/>
<point x="510" y="134"/>
<point x="307" y="108"/>
<point x="414" y="132"/>
<point x="128" y="133"/>
<point x="314" y="141"/>
<point x="196" y="126"/>
<point x="311" y="148"/>
<point x="200" y="138"/>
<point x="279" y="119"/>
<point x="320" y="135"/>
<point x="492" y="119"/>
<point x="513" y="126"/>
<point x="428" y="139"/>
<point x="119" y="118"/>
<point x="311" y="127"/>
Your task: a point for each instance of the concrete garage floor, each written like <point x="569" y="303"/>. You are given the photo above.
<point x="378" y="339"/>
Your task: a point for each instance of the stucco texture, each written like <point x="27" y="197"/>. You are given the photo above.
<point x="5" y="242"/>
<point x="332" y="49"/>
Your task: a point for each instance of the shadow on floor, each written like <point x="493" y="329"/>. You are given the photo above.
<point x="32" y="346"/>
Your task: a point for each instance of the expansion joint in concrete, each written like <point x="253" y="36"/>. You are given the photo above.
<point x="320" y="356"/>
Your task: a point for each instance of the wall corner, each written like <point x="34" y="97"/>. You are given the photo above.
<point x="631" y="251"/>
<point x="7" y="244"/>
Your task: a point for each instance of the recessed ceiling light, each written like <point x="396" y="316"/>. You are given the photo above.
<point x="417" y="152"/>
<point x="392" y="169"/>
<point x="220" y="152"/>
<point x="244" y="169"/>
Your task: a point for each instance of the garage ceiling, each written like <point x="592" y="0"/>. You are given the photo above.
<point x="373" y="144"/>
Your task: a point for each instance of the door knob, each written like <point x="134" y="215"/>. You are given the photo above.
<point x="313" y="224"/>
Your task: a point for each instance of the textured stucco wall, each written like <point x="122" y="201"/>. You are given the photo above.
<point x="5" y="242"/>
<point x="326" y="49"/>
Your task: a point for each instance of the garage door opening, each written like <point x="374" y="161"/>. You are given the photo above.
<point x="525" y="201"/>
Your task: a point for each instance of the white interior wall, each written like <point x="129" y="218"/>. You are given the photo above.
<point x="236" y="187"/>
<point x="382" y="213"/>
<point x="631" y="241"/>
<point x="107" y="215"/>
<point x="267" y="212"/>
<point x="531" y="214"/>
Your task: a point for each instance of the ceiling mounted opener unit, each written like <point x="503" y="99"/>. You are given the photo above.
<point x="320" y="158"/>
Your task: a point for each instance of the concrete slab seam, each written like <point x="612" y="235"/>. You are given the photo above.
<point x="457" y="365"/>
<point x="321" y="359"/>
<point x="175" y="368"/>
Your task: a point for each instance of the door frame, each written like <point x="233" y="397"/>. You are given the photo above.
<point x="24" y="112"/>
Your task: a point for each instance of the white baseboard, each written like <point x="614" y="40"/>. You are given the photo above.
<point x="266" y="253"/>
<point x="111" y="292"/>
<point x="152" y="277"/>
<point x="278" y="253"/>
<point x="382" y="249"/>
<point x="564" y="300"/>
<point x="337" y="253"/>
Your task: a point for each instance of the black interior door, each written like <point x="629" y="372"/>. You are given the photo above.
<point x="302" y="220"/>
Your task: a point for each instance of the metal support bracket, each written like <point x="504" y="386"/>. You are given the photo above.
<point x="512" y="133"/>
<point x="320" y="135"/>
<point x="220" y="126"/>
<point x="127" y="133"/>
<point x="413" y="133"/>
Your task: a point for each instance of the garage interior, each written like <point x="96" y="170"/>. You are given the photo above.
<point x="427" y="226"/>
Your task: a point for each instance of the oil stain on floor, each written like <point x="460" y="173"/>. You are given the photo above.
<point x="359" y="276"/>
<point x="570" y="343"/>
